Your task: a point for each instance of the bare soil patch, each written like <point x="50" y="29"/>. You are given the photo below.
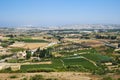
<point x="93" y="43"/>
<point x="58" y="75"/>
<point x="29" y="45"/>
<point x="35" y="45"/>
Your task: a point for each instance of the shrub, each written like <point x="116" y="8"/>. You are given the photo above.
<point x="107" y="78"/>
<point x="4" y="45"/>
<point x="37" y="77"/>
<point x="13" y="76"/>
<point x="118" y="79"/>
<point x="24" y="79"/>
<point x="118" y="71"/>
<point x="7" y="70"/>
<point x="41" y="70"/>
<point x="99" y="71"/>
<point x="52" y="79"/>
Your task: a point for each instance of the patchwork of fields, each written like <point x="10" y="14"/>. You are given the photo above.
<point x="58" y="51"/>
<point x="80" y="62"/>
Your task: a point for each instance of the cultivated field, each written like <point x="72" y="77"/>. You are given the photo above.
<point x="93" y="43"/>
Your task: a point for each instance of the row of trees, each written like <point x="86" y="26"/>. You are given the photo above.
<point x="105" y="37"/>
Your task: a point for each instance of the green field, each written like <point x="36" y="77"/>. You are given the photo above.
<point x="56" y="63"/>
<point x="79" y="61"/>
<point x="96" y="57"/>
<point x="61" y="63"/>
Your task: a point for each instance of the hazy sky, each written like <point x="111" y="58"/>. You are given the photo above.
<point x="55" y="12"/>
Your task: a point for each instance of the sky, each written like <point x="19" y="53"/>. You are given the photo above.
<point x="58" y="12"/>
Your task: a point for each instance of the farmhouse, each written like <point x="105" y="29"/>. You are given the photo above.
<point x="108" y="64"/>
<point x="114" y="67"/>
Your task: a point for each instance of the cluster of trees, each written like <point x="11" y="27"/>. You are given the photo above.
<point x="11" y="36"/>
<point x="58" y="37"/>
<point x="6" y="43"/>
<point x="85" y="37"/>
<point x="105" y="37"/>
<point x="45" y="53"/>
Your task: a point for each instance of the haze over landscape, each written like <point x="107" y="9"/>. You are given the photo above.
<point x="58" y="12"/>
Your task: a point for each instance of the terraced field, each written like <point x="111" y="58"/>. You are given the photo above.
<point x="80" y="61"/>
<point x="56" y="63"/>
<point x="97" y="57"/>
<point x="62" y="63"/>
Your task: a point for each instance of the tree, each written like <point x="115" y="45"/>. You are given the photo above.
<point x="119" y="45"/>
<point x="42" y="53"/>
<point x="37" y="52"/>
<point x="11" y="36"/>
<point x="28" y="54"/>
<point x="4" y="45"/>
<point x="49" y="52"/>
<point x="113" y="37"/>
<point x="117" y="59"/>
<point x="45" y="53"/>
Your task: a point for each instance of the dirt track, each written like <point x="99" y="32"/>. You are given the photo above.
<point x="58" y="75"/>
